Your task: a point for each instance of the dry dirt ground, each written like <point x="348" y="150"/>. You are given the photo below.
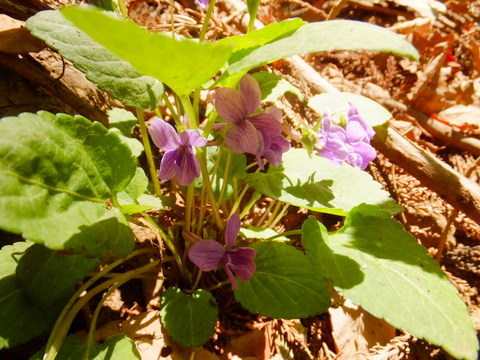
<point x="435" y="103"/>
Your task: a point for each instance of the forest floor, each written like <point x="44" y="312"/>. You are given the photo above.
<point x="436" y="105"/>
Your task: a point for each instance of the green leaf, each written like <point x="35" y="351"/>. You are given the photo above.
<point x="323" y="36"/>
<point x="183" y="65"/>
<point x="379" y="266"/>
<point x="112" y="74"/>
<point x="314" y="183"/>
<point x="118" y="347"/>
<point x="273" y="86"/>
<point x="122" y="120"/>
<point x="284" y="285"/>
<point x="136" y="187"/>
<point x="56" y="173"/>
<point x="20" y="318"/>
<point x="338" y="103"/>
<point x="189" y="318"/>
<point x="253" y="232"/>
<point x="47" y="275"/>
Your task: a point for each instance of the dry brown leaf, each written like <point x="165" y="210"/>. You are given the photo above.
<point x="249" y="345"/>
<point x="355" y="331"/>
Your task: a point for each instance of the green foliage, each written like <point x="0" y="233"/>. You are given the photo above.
<point x="314" y="183"/>
<point x="21" y="319"/>
<point x="376" y="264"/>
<point x="183" y="65"/>
<point x="57" y="172"/>
<point x="273" y="86"/>
<point x="371" y="111"/>
<point x="122" y="123"/>
<point x="40" y="269"/>
<point x="323" y="36"/>
<point x="253" y="232"/>
<point x="118" y="347"/>
<point x="112" y="74"/>
<point x="285" y="284"/>
<point x="189" y="318"/>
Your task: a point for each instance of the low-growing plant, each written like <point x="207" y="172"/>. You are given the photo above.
<point x="72" y="188"/>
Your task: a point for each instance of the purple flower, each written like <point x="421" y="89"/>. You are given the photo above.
<point x="208" y="254"/>
<point x="203" y="3"/>
<point x="350" y="144"/>
<point x="250" y="133"/>
<point x="179" y="159"/>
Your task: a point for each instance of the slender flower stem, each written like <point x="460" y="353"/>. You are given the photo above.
<point x="255" y="197"/>
<point x="282" y="213"/>
<point x="172" y="18"/>
<point x="225" y="177"/>
<point x="54" y="342"/>
<point x="123" y="9"/>
<point x="189" y="112"/>
<point x="148" y="153"/>
<point x="251" y="21"/>
<point x="219" y="285"/>
<point x="172" y="110"/>
<point x="208" y="186"/>
<point x="286" y="233"/>
<point x="236" y="204"/>
<point x="211" y="6"/>
<point x="201" y="213"/>
<point x="189" y="207"/>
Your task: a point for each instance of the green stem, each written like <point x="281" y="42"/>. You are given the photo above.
<point x="123" y="9"/>
<point x="236" y="204"/>
<point x="148" y="153"/>
<point x="189" y="207"/>
<point x="208" y="186"/>
<point x="172" y="111"/>
<point x="225" y="177"/>
<point x="53" y="344"/>
<point x="211" y="6"/>
<point x="286" y="233"/>
<point x="189" y="112"/>
<point x="255" y="197"/>
<point x="251" y="21"/>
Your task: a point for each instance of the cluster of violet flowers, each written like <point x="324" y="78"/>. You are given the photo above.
<point x="250" y="130"/>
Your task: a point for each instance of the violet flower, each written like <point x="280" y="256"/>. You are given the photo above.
<point x="179" y="159"/>
<point x="250" y="133"/>
<point x="350" y="144"/>
<point x="208" y="254"/>
<point x="203" y="3"/>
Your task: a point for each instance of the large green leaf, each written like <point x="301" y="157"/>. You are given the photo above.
<point x="379" y="266"/>
<point x="189" y="318"/>
<point x="284" y="285"/>
<point x="183" y="65"/>
<point x="117" y="347"/>
<point x="101" y="66"/>
<point x="338" y="103"/>
<point x="47" y="275"/>
<point x="273" y="86"/>
<point x="323" y="36"/>
<point x="20" y="318"/>
<point x="314" y="183"/>
<point x="56" y="173"/>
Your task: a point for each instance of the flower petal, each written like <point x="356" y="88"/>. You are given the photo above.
<point x="189" y="167"/>
<point x="192" y="138"/>
<point x="241" y="262"/>
<point x="168" y="166"/>
<point x="267" y="124"/>
<point x="278" y="146"/>
<point x="228" y="103"/>
<point x="163" y="135"/>
<point x="231" y="230"/>
<point x="206" y="254"/>
<point x="250" y="94"/>
<point x="364" y="153"/>
<point x="226" y="262"/>
<point x="354" y="116"/>
<point x="243" y="138"/>
<point x="203" y="3"/>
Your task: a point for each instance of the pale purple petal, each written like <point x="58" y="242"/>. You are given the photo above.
<point x="203" y="3"/>
<point x="355" y="132"/>
<point x="354" y="116"/>
<point x="364" y="154"/>
<point x="189" y="167"/>
<point x="278" y="146"/>
<point x="192" y="138"/>
<point x="243" y="138"/>
<point x="276" y="113"/>
<point x="241" y="262"/>
<point x="228" y="103"/>
<point x="267" y="124"/>
<point x="168" y="166"/>
<point x="250" y="94"/>
<point x="226" y="263"/>
<point x="163" y="135"/>
<point x="206" y="254"/>
<point x="231" y="230"/>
